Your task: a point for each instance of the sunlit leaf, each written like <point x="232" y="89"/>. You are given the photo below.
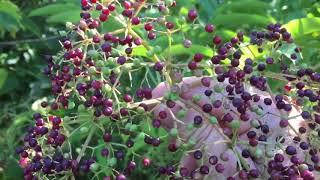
<point x="303" y="26"/>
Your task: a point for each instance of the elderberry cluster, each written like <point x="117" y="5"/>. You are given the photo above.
<point x="123" y="105"/>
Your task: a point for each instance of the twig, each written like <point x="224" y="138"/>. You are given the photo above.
<point x="12" y="43"/>
<point x="85" y="145"/>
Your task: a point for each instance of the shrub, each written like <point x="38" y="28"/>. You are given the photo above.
<point x="214" y="115"/>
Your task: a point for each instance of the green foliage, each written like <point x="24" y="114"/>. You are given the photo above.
<point x="58" y="13"/>
<point x="10" y="18"/>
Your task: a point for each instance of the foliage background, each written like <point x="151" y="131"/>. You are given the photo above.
<point x="30" y="29"/>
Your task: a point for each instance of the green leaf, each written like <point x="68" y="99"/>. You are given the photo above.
<point x="244" y="6"/>
<point x="9" y="18"/>
<point x="287" y="49"/>
<point x="10" y="84"/>
<point x="67" y="16"/>
<point x="3" y="76"/>
<point x="139" y="51"/>
<point x="10" y="8"/>
<point x="238" y="20"/>
<point x="303" y="26"/>
<point x="180" y="49"/>
<point x="53" y="9"/>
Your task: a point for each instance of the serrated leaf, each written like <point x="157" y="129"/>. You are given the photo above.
<point x="180" y="49"/>
<point x="53" y="9"/>
<point x="287" y="49"/>
<point x="303" y="26"/>
<point x="238" y="20"/>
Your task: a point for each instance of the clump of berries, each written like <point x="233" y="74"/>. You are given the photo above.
<point x="225" y="124"/>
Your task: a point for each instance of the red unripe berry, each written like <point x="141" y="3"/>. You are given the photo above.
<point x="198" y="57"/>
<point x="127" y="4"/>
<point x="112" y="7"/>
<point x="152" y="35"/>
<point x="169" y="25"/>
<point x="217" y="40"/>
<point x="67" y="44"/>
<point x="192" y="65"/>
<point x="106" y="11"/>
<point x="192" y="14"/>
<point x="103" y="17"/>
<point x="137" y="41"/>
<point x="99" y="7"/>
<point x="84" y="2"/>
<point x="146" y="162"/>
<point x="107" y="137"/>
<point x="209" y="28"/>
<point x="135" y="20"/>
<point x="148" y="27"/>
<point x="127" y="98"/>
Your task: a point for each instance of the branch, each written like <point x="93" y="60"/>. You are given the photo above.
<point x="12" y="43"/>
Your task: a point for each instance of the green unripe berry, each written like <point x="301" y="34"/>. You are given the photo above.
<point x="140" y="110"/>
<point x="71" y="105"/>
<point x="190" y="126"/>
<point x="106" y="88"/>
<point x="94" y="167"/>
<point x="182" y="113"/>
<point x="258" y="153"/>
<point x="192" y="142"/>
<point x="196" y="98"/>
<point x="173" y="96"/>
<point x="254" y="108"/>
<point x="254" y="123"/>
<point x="128" y="126"/>
<point x="174" y="132"/>
<point x="81" y="108"/>
<point x="259" y="112"/>
<point x="218" y="89"/>
<point x="167" y="95"/>
<point x="303" y="167"/>
<point x="235" y="124"/>
<point x="133" y="127"/>
<point x="112" y="161"/>
<point x="100" y="63"/>
<point x="84" y="129"/>
<point x="117" y="70"/>
<point x="270" y="154"/>
<point x="92" y="70"/>
<point x="63" y="33"/>
<point x="106" y="70"/>
<point x="213" y="120"/>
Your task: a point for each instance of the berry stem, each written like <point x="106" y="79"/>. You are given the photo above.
<point x="86" y="143"/>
